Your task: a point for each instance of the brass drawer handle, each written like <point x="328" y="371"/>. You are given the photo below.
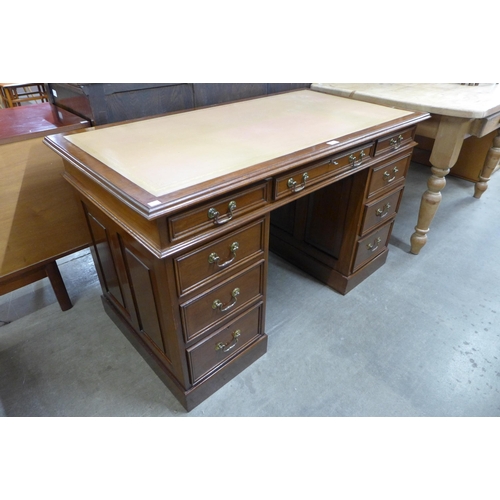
<point x="217" y="304"/>
<point x="228" y="345"/>
<point x="214" y="258"/>
<point x="352" y="159"/>
<point x="373" y="246"/>
<point x="214" y="214"/>
<point x="395" y="143"/>
<point x="387" y="175"/>
<point x="292" y="184"/>
<point x="382" y="212"/>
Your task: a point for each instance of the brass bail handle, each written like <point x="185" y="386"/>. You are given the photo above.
<point x="292" y="183"/>
<point x="373" y="246"/>
<point x="395" y="143"/>
<point x="214" y="214"/>
<point x="214" y="258"/>
<point x="217" y="304"/>
<point x="387" y="175"/>
<point x="382" y="212"/>
<point x="354" y="161"/>
<point x="224" y="347"/>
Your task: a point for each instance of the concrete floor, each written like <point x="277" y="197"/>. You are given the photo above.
<point x="420" y="337"/>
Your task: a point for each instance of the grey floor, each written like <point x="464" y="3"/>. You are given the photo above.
<point x="420" y="337"/>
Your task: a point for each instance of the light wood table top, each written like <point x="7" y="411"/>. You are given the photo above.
<point x="450" y="99"/>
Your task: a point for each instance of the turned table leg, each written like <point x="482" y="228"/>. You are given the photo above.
<point x="492" y="159"/>
<point x="448" y="142"/>
<point x="428" y="208"/>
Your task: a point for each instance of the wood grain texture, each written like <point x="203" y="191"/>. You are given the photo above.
<point x="39" y="216"/>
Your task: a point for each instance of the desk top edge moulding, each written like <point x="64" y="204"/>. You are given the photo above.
<point x="183" y="209"/>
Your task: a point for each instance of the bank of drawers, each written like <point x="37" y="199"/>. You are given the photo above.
<point x="220" y="286"/>
<point x="383" y="196"/>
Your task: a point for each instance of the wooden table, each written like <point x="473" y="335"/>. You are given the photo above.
<point x="458" y="111"/>
<point x="40" y="220"/>
<point x="182" y="210"/>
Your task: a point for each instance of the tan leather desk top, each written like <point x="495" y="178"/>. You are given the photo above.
<point x="168" y="153"/>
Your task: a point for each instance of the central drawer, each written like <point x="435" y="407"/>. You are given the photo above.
<point x="311" y="174"/>
<point x="223" y="301"/>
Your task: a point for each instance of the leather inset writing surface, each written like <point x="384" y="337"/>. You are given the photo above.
<point x="165" y="154"/>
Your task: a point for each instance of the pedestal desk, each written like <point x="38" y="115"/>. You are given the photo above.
<point x="458" y="111"/>
<point x="181" y="209"/>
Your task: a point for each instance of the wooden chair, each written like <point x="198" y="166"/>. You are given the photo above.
<point x="15" y="94"/>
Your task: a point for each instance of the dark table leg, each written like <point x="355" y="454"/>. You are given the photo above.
<point x="58" y="285"/>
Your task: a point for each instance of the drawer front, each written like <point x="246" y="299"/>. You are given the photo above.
<point x="394" y="142"/>
<point x="385" y="176"/>
<point x="217" y="213"/>
<point x="212" y="351"/>
<point x="301" y="179"/>
<point x="371" y="246"/>
<point x="379" y="211"/>
<point x="198" y="267"/>
<point x="221" y="302"/>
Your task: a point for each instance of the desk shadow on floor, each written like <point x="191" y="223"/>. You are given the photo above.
<point x="399" y="243"/>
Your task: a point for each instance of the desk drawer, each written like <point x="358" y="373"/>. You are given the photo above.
<point x="380" y="210"/>
<point x="371" y="246"/>
<point x="385" y="176"/>
<point x="394" y="142"/>
<point x="302" y="178"/>
<point x="197" y="267"/>
<point x="225" y="343"/>
<point x="221" y="302"/>
<point x="217" y="212"/>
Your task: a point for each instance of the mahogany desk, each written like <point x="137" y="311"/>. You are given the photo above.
<point x="179" y="211"/>
<point x="458" y="111"/>
<point x="40" y="220"/>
